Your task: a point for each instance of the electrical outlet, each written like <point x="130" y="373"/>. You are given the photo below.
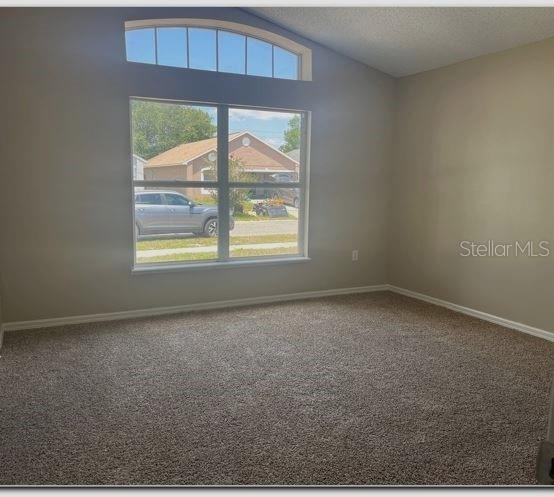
<point x="355" y="255"/>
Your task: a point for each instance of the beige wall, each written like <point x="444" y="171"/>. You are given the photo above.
<point x="65" y="204"/>
<point x="1" y="328"/>
<point x="474" y="160"/>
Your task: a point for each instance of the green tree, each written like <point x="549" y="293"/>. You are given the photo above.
<point x="158" y="127"/>
<point x="291" y="135"/>
<point x="237" y="196"/>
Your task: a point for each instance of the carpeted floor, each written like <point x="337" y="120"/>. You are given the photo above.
<point x="363" y="389"/>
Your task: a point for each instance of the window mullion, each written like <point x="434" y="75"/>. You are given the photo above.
<point x="176" y="183"/>
<point x="223" y="180"/>
<point x="262" y="184"/>
<point x="303" y="178"/>
<point x="188" y="50"/>
<point x="156" y="44"/>
<point x="217" y="50"/>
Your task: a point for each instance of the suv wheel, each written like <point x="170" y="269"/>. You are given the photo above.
<point x="210" y="228"/>
<point x="296" y="203"/>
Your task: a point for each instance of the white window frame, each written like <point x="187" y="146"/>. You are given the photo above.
<point x="304" y="54"/>
<point x="223" y="186"/>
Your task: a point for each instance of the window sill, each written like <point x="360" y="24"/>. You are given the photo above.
<point x="153" y="268"/>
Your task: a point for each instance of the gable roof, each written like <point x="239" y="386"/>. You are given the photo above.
<point x="252" y="157"/>
<point x="255" y="159"/>
<point x="185" y="152"/>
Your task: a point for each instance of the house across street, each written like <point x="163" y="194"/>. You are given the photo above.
<point x="196" y="161"/>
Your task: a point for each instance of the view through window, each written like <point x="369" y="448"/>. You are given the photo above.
<point x="210" y="49"/>
<point x="181" y="184"/>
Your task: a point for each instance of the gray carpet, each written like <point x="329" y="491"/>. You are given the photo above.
<point x="364" y="389"/>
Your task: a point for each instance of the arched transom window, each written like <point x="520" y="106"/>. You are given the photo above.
<point x="216" y="46"/>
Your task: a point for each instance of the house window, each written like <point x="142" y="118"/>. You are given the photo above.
<point x="216" y="46"/>
<point x="219" y="183"/>
<point x="207" y="174"/>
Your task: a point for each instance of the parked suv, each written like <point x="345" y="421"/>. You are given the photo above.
<point x="290" y="196"/>
<point x="164" y="212"/>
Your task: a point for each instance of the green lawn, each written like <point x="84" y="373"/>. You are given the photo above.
<point x="211" y="242"/>
<point x="210" y="255"/>
<point x="247" y="217"/>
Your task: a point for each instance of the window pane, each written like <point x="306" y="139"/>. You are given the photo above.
<point x="266" y="227"/>
<point x="182" y="228"/>
<point x="173" y="141"/>
<point x="285" y="64"/>
<point x="259" y="58"/>
<point x="202" y="45"/>
<point x="176" y="199"/>
<point x="139" y="44"/>
<point x="172" y="47"/>
<point x="232" y="52"/>
<point x="149" y="199"/>
<point x="264" y="146"/>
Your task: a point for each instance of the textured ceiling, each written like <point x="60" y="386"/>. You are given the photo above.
<point x="407" y="40"/>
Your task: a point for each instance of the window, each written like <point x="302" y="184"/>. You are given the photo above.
<point x="207" y="174"/>
<point x="149" y="199"/>
<point x="171" y="46"/>
<point x="231" y="52"/>
<point x="285" y="65"/>
<point x="223" y="47"/>
<point x="219" y="183"/>
<point x="260" y="58"/>
<point x="202" y="49"/>
<point x="140" y="45"/>
<point x="175" y="199"/>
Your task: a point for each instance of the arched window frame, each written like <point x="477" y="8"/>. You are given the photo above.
<point x="304" y="54"/>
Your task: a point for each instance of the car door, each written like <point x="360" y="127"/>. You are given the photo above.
<point x="151" y="213"/>
<point x="179" y="208"/>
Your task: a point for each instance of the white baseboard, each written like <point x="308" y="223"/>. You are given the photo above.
<point x="514" y="325"/>
<point x="158" y="311"/>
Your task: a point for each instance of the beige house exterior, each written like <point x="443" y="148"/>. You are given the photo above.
<point x="197" y="161"/>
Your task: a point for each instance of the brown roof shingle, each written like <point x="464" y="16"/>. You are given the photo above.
<point x="251" y="156"/>
<point x="185" y="152"/>
<point x="253" y="159"/>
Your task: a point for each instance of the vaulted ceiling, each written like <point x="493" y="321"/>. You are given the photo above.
<point x="407" y="40"/>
